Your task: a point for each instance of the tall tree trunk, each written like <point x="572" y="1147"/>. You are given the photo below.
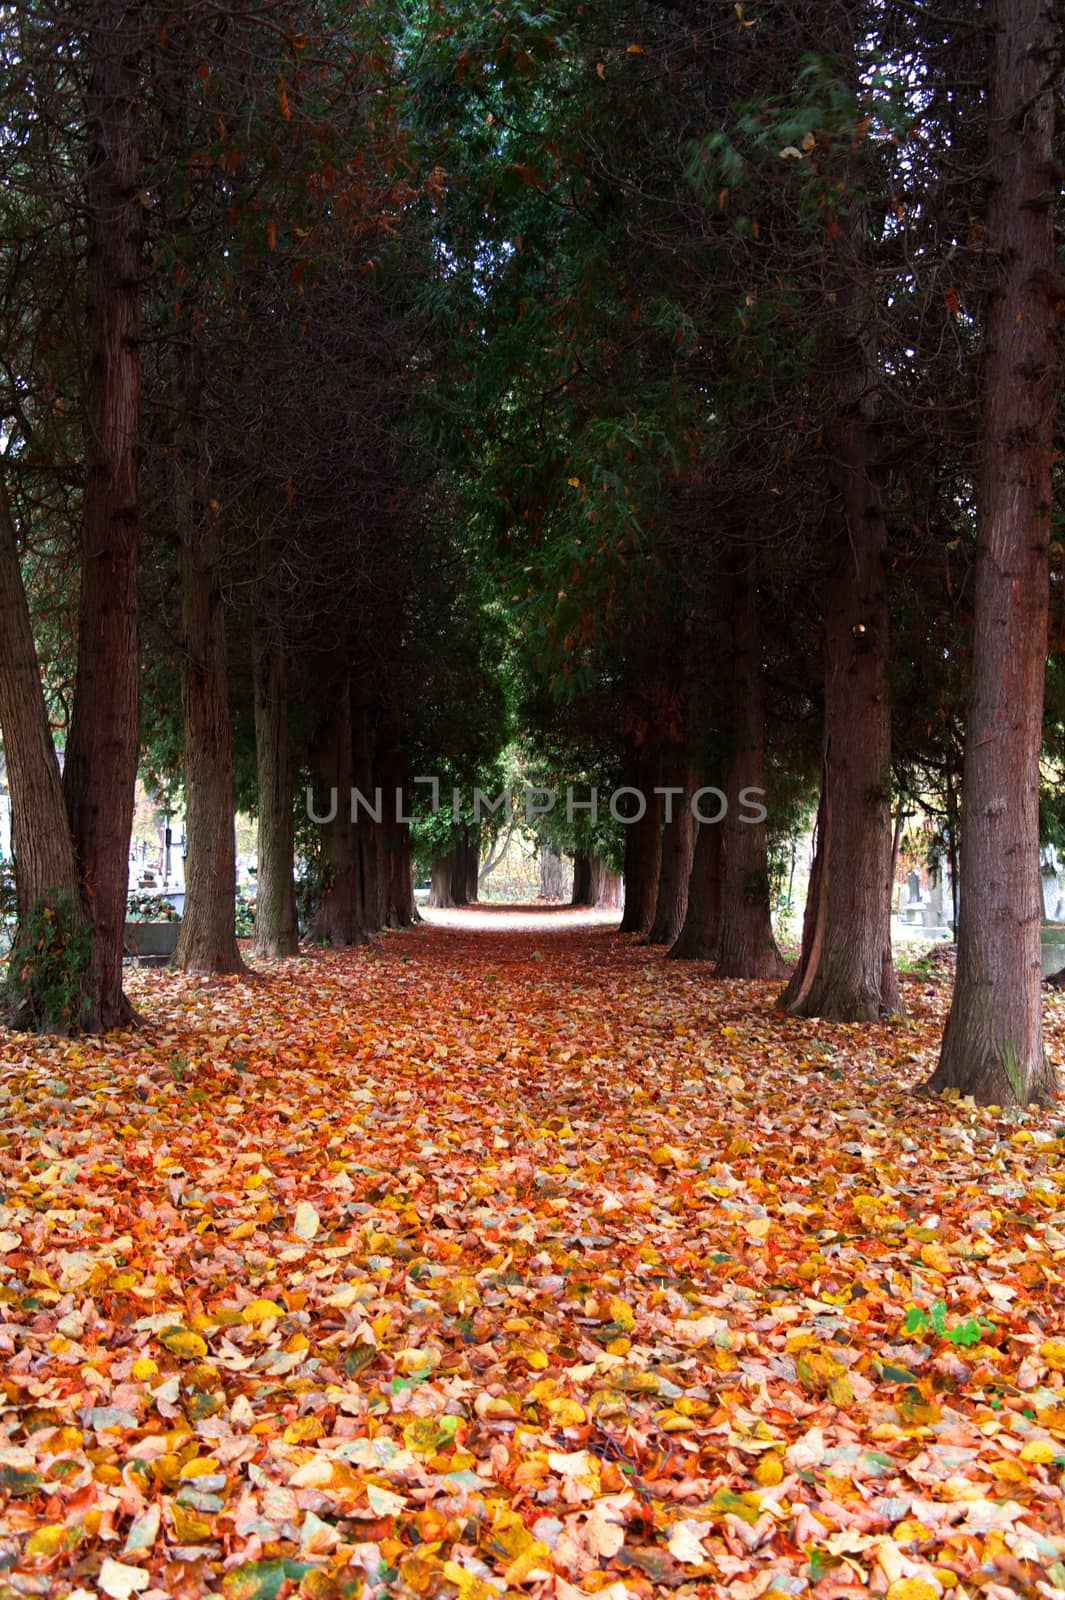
<point x="368" y="842"/>
<point x="473" y="863"/>
<point x="551" y="873"/>
<point x="643" y="850"/>
<point x="606" y="887"/>
<point x="582" y="879"/>
<point x="207" y="941"/>
<point x="100" y="770"/>
<point x="45" y="870"/>
<point x="845" y="969"/>
<point x="400" y="909"/>
<point x="813" y="915"/>
<point x="748" y="948"/>
<point x="700" y="937"/>
<point x="441" y="879"/>
<point x="338" y="920"/>
<point x="276" y="927"/>
<point x="993" y="1041"/>
<point x="678" y="852"/>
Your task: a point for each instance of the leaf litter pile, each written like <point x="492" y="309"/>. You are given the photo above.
<point x="490" y="1263"/>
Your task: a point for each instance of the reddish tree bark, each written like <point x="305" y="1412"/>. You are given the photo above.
<point x="100" y="770"/>
<point x="748" y="947"/>
<point x="678" y="852"/>
<point x="643" y="849"/>
<point x="845" y="969"/>
<point x="276" y="927"/>
<point x="700" y="937"/>
<point x="440" y="895"/>
<point x="993" y="1041"/>
<point x="45" y="870"/>
<point x="338" y="919"/>
<point x="207" y="941"/>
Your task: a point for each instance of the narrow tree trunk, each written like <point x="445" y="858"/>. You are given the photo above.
<point x="700" y="937"/>
<point x="678" y="853"/>
<point x="368" y="842"/>
<point x="440" y="895"/>
<point x="207" y="941"/>
<point x="813" y="914"/>
<point x="846" y="970"/>
<point x="993" y="1041"/>
<point x="473" y="863"/>
<point x="748" y="947"/>
<point x="643" y="850"/>
<point x="276" y="927"/>
<point x="582" y="879"/>
<point x="400" y="909"/>
<point x="100" y="771"/>
<point x="896" y="846"/>
<point x="338" y="920"/>
<point x="45" y="871"/>
<point x="952" y="851"/>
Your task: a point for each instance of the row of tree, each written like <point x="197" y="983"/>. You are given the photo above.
<point x="394" y="379"/>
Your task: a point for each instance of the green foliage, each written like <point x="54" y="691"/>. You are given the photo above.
<point x="970" y="1331"/>
<point x="49" y="970"/>
<point x="8" y="893"/>
<point x="141" y="907"/>
<point x="244" y="916"/>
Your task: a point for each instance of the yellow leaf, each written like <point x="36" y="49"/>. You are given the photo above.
<point x="769" y="1471"/>
<point x="261" y="1311"/>
<point x="1053" y="1353"/>
<point x="912" y="1589"/>
<point x="667" y="1155"/>
<point x="307" y="1221"/>
<point x="302" y="1429"/>
<point x="183" y="1342"/>
<point x="46" y="1541"/>
<point x="934" y="1256"/>
<point x="469" y="1586"/>
<point x="191" y="1527"/>
<point x="1041" y="1451"/>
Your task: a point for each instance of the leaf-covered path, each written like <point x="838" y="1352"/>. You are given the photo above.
<point x="510" y="1258"/>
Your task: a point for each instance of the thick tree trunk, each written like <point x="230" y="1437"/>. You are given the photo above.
<point x="207" y="941"/>
<point x="748" y="947"/>
<point x="440" y="895"/>
<point x="276" y="927"/>
<point x="846" y="970"/>
<point x="678" y="852"/>
<point x="700" y="937"/>
<point x="643" y="850"/>
<point x="552" y="882"/>
<point x="100" y="771"/>
<point x="993" y="1041"/>
<point x="45" y="870"/>
<point x="606" y="887"/>
<point x="338" y="920"/>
